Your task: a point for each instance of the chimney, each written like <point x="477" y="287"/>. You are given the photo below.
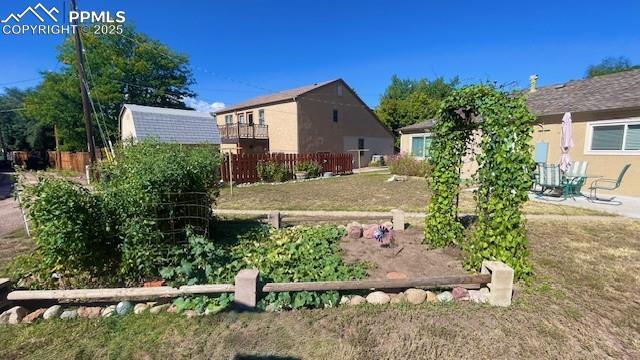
<point x="533" y="82"/>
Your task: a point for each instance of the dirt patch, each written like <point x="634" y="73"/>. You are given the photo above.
<point x="407" y="255"/>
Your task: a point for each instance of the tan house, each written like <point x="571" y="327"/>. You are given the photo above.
<point x="606" y="126"/>
<point x="322" y="117"/>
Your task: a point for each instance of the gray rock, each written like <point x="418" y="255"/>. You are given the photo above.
<point x="357" y="300"/>
<point x="13" y="315"/>
<point x="270" y="308"/>
<point x="378" y="298"/>
<point x="415" y="296"/>
<point x="108" y="311"/>
<point x="445" y="296"/>
<point x="53" y="312"/>
<point x="69" y="314"/>
<point x="478" y="296"/>
<point x="398" y="298"/>
<point x="159" y="308"/>
<point x="344" y="300"/>
<point x="140" y="308"/>
<point x="124" y="307"/>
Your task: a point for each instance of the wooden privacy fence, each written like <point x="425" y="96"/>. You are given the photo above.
<point x="63" y="160"/>
<point x="244" y="167"/>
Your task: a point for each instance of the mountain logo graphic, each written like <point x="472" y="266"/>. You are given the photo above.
<point x="36" y="11"/>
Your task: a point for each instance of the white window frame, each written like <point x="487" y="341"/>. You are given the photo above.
<point x="424" y="136"/>
<point x="261" y="120"/>
<point x="228" y="119"/>
<point x="626" y="122"/>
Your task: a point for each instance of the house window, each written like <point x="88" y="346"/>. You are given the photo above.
<point x="420" y="146"/>
<point x="261" y="117"/>
<point x="335" y="115"/>
<point x="250" y="117"/>
<point x="360" y="144"/>
<point x="339" y="90"/>
<point x="228" y="119"/>
<point x="614" y="137"/>
<point x="241" y="118"/>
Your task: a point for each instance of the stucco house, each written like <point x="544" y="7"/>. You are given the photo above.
<point x="137" y="122"/>
<point x="606" y="126"/>
<point x="321" y="117"/>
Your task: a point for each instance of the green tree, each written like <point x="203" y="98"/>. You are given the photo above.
<point x="17" y="130"/>
<point x="407" y="101"/>
<point x="120" y="68"/>
<point x="610" y="65"/>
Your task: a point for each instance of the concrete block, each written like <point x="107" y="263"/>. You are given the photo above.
<point x="275" y="219"/>
<point x="501" y="285"/>
<point x="246" y="289"/>
<point x="398" y="219"/>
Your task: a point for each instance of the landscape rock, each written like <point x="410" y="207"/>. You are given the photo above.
<point x="270" y="308"/>
<point x="124" y="307"/>
<point x="33" y="316"/>
<point x="108" y="311"/>
<point x="460" y="294"/>
<point x="415" y="296"/>
<point x="369" y="230"/>
<point x="431" y="296"/>
<point x="478" y="296"/>
<point x="159" y="308"/>
<point x="445" y="296"/>
<point x="69" y="314"/>
<point x="396" y="275"/>
<point x="354" y="230"/>
<point x="398" y="298"/>
<point x="172" y="309"/>
<point x="13" y="315"/>
<point x="152" y="303"/>
<point x="378" y="298"/>
<point x="190" y="314"/>
<point x="357" y="300"/>
<point x="52" y="312"/>
<point x="344" y="300"/>
<point x="90" y="312"/>
<point x="140" y="308"/>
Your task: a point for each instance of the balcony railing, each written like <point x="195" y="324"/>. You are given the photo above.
<point x="243" y="131"/>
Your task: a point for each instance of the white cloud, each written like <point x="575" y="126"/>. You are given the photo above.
<point x="203" y="106"/>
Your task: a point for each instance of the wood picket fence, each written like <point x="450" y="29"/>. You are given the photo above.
<point x="244" y="167"/>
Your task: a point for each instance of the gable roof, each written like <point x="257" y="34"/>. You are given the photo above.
<point x="614" y="91"/>
<point x="173" y="125"/>
<point x="280" y="96"/>
<point x="418" y="127"/>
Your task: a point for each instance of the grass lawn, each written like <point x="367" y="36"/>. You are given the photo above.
<point x="368" y="191"/>
<point x="582" y="303"/>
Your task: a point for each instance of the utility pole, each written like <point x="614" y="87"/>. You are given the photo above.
<point x="88" y="125"/>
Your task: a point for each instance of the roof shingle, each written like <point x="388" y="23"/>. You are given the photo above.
<point x="275" y="97"/>
<point x="614" y="91"/>
<point x="173" y="125"/>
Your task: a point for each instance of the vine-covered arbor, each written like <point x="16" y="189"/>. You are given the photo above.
<point x="504" y="126"/>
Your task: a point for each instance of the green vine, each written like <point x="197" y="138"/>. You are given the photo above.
<point x="505" y="162"/>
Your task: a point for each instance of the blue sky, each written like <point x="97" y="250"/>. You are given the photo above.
<point x="255" y="46"/>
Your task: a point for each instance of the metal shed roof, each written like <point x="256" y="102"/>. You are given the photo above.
<point x="173" y="125"/>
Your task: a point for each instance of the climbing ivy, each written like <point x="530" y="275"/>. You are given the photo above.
<point x="504" y="126"/>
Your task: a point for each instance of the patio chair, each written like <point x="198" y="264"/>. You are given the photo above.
<point x="548" y="177"/>
<point x="607" y="184"/>
<point x="574" y="179"/>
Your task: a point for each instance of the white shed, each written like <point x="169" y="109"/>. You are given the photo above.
<point x="139" y="122"/>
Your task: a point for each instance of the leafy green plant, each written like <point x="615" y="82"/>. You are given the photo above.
<point x="311" y="167"/>
<point x="69" y="224"/>
<point x="202" y="304"/>
<point x="271" y="171"/>
<point x="505" y="161"/>
<point x="142" y="186"/>
<point x="405" y="164"/>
